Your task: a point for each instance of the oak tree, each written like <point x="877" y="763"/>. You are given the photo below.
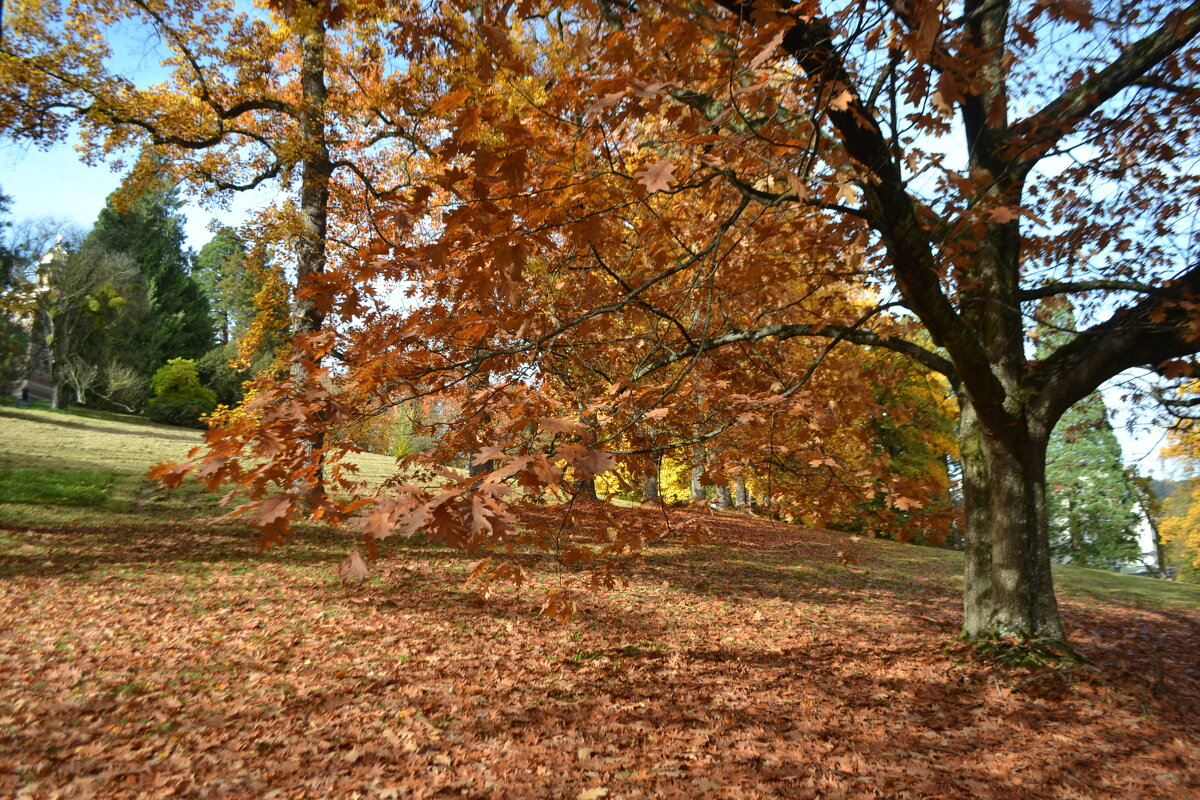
<point x="979" y="157"/>
<point x="678" y="186"/>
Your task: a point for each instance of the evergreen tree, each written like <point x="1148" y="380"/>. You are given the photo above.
<point x="220" y="272"/>
<point x="176" y="321"/>
<point x="14" y="338"/>
<point x="1091" y="499"/>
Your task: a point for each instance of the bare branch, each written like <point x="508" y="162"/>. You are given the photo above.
<point x="1079" y="287"/>
<point x="846" y="333"/>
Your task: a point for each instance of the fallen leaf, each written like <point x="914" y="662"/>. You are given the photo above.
<point x="353" y="568"/>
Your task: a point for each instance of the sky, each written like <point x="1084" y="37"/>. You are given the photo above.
<point x="55" y="183"/>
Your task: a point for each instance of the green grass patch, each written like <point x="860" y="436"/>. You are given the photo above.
<point x="1128" y="590"/>
<point x="55" y="487"/>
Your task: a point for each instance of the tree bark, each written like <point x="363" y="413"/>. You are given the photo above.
<point x="650" y="487"/>
<point x="586" y="487"/>
<point x="724" y="497"/>
<point x="314" y="208"/>
<point x="314" y="175"/>
<point x="53" y="342"/>
<point x="741" y="496"/>
<point x="1008" y="585"/>
<point x="977" y="569"/>
<point x="697" y="486"/>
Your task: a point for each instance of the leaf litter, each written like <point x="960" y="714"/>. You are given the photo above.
<point x="164" y="658"/>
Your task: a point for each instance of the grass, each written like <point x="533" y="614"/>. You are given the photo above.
<point x="147" y="652"/>
<point x="125" y="446"/>
<point x="55" y="487"/>
<point x="1071" y="582"/>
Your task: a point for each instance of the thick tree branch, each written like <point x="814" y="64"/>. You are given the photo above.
<point x="846" y="333"/>
<point x="1162" y="326"/>
<point x="892" y="211"/>
<point x="1045" y="129"/>
<point x="1079" y="287"/>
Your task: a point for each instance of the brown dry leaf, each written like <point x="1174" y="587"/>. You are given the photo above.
<point x="769" y="49"/>
<point x="1003" y="214"/>
<point x="842" y="100"/>
<point x="353" y="568"/>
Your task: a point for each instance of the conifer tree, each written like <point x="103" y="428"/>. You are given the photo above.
<point x="1091" y="499"/>
<point x="175" y="322"/>
<point x="220" y="272"/>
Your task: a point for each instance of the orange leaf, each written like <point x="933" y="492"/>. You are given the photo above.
<point x="842" y="100"/>
<point x="1003" y="214"/>
<point x="272" y="509"/>
<point x="561" y="425"/>
<point x="169" y="474"/>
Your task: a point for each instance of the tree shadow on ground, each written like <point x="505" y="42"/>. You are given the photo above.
<point x="73" y="422"/>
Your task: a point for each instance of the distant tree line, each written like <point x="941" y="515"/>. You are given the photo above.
<point x="99" y="314"/>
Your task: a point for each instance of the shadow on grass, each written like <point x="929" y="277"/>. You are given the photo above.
<point x="74" y="422"/>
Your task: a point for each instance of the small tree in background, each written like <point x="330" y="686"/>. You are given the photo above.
<point x="83" y="297"/>
<point x="124" y="387"/>
<point x="175" y="320"/>
<point x="179" y="399"/>
<point x="218" y="372"/>
<point x="81" y="375"/>
<point x="221" y="272"/>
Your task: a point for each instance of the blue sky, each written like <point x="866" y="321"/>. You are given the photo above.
<point x="56" y="183"/>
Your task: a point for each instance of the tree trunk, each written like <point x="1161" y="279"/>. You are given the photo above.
<point x="314" y="209"/>
<point x="1160" y="561"/>
<point x="697" y="486"/>
<point x="1009" y="590"/>
<point x="1075" y="537"/>
<point x="741" y="497"/>
<point x="977" y="568"/>
<point x="724" y="497"/>
<point x="314" y="176"/>
<point x="586" y="487"/>
<point x="58" y="397"/>
<point x="650" y="487"/>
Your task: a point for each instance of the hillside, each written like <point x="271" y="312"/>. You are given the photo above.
<point x="147" y="652"/>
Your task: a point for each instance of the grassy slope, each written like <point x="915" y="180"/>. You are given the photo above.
<point x="147" y="652"/>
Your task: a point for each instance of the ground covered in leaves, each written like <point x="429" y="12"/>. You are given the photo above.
<point x="148" y="654"/>
<point x="155" y="656"/>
